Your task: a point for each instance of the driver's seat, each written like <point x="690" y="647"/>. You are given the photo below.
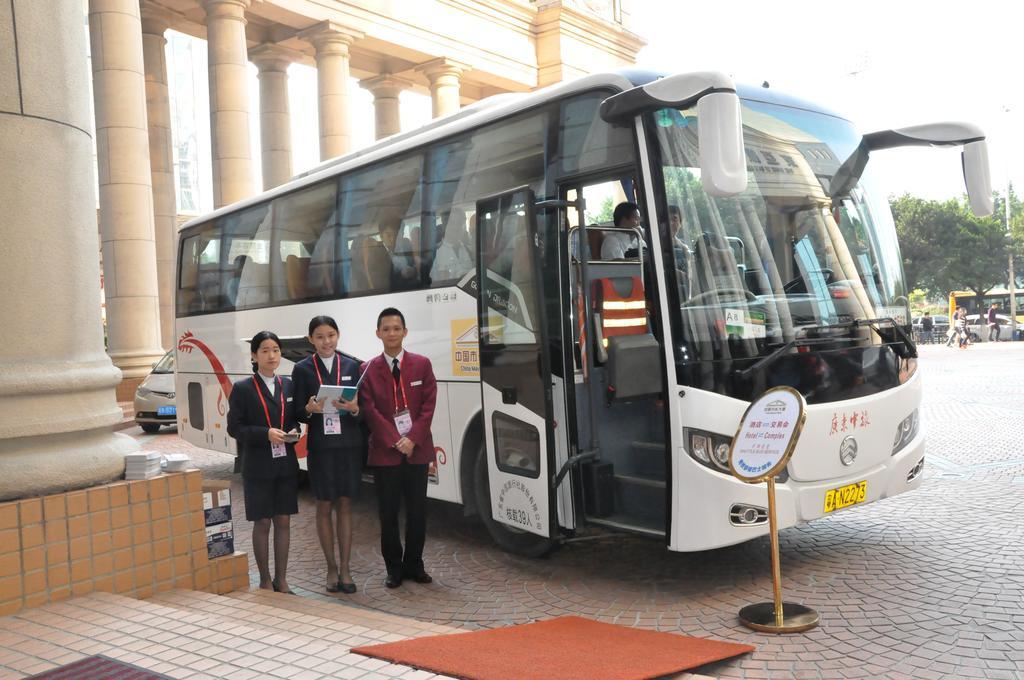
<point x="716" y="266"/>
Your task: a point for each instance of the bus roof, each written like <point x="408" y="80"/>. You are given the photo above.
<point x="477" y="114"/>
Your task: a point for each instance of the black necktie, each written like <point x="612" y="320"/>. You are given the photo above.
<point x="395" y="371"/>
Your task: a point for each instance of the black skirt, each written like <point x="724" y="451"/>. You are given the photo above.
<point x="336" y="472"/>
<point x="268" y="497"/>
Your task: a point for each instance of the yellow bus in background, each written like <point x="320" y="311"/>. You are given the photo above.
<point x="970" y="301"/>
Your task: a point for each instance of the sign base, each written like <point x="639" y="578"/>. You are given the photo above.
<point x="796" y="618"/>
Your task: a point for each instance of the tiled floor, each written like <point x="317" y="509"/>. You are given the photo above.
<point x="924" y="585"/>
<point x="196" y="635"/>
<point x="188" y="634"/>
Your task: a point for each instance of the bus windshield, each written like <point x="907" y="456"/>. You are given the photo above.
<point x="782" y="261"/>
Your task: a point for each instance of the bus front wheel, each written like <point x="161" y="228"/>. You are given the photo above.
<point x="512" y="540"/>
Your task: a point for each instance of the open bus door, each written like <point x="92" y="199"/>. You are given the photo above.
<point x="515" y="374"/>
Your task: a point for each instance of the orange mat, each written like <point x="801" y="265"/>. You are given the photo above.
<point x="564" y="648"/>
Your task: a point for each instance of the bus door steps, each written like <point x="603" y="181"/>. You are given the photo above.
<point x="632" y="524"/>
<point x="646" y="459"/>
<point x="641" y="497"/>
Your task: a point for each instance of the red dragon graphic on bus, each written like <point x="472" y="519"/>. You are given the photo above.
<point x="187" y="342"/>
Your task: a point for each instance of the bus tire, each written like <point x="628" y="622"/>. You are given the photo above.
<point x="511" y="540"/>
<point x="151" y="428"/>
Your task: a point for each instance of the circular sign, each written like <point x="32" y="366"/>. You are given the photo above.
<point x="767" y="435"/>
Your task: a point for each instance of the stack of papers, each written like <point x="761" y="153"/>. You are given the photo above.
<point x="141" y="465"/>
<point x="176" y="462"/>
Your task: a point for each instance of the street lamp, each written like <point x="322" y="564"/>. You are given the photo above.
<point x="1009" y="240"/>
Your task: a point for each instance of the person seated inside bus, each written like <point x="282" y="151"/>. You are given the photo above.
<point x="681" y="252"/>
<point x="453" y="257"/>
<point x="320" y="277"/>
<point x="403" y="269"/>
<point x="231" y="289"/>
<point x="619" y="245"/>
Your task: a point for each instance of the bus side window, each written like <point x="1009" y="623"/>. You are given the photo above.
<point x="199" y="287"/>
<point x="301" y="221"/>
<point x="245" y="258"/>
<point x="379" y="207"/>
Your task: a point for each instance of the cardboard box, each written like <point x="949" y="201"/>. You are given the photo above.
<point x="220" y="540"/>
<point x="216" y="501"/>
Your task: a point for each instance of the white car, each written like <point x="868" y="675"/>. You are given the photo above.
<point x="154" y="399"/>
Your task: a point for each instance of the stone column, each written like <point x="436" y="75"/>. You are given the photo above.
<point x="444" y="76"/>
<point x="126" y="194"/>
<point x="275" y="118"/>
<point x="229" y="100"/>
<point x="156" y="20"/>
<point x="56" y="382"/>
<point x="332" y="42"/>
<point x="387" y="114"/>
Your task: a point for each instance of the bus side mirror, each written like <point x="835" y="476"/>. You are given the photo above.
<point x="977" y="177"/>
<point x="974" y="158"/>
<point x="723" y="163"/>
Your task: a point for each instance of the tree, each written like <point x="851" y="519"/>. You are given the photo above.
<point x="945" y="247"/>
<point x="604" y="215"/>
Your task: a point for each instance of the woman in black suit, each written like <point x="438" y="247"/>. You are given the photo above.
<point x="336" y="446"/>
<point x="260" y="418"/>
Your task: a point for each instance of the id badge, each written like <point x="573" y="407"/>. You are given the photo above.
<point x="332" y="423"/>
<point x="278" y="450"/>
<point x="403" y="421"/>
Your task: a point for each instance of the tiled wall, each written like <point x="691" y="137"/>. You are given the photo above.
<point x="133" y="538"/>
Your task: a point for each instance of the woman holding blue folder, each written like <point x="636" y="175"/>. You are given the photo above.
<point x="335" y="443"/>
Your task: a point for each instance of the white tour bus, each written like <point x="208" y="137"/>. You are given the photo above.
<point x="589" y="375"/>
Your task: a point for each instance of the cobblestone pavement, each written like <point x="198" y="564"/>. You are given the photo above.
<point x="929" y="584"/>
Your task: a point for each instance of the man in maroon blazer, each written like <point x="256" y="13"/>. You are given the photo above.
<point x="397" y="397"/>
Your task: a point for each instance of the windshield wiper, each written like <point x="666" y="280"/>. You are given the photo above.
<point x="906" y="349"/>
<point x="796" y="342"/>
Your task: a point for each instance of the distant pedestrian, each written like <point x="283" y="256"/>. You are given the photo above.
<point x="993" y="324"/>
<point x="952" y="334"/>
<point x="927" y="326"/>
<point x="961" y="329"/>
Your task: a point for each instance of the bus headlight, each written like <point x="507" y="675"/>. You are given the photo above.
<point x="707" y="448"/>
<point x="906" y="431"/>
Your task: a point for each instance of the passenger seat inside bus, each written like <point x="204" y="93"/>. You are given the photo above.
<point x="371" y="266"/>
<point x="296" y="271"/>
<point x="716" y="265"/>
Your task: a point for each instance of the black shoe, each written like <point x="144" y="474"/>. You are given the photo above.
<point x="422" y="577"/>
<point x="393" y="581"/>
<point x="347" y="588"/>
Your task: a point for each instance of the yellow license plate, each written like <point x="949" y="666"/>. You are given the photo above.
<point x="845" y="496"/>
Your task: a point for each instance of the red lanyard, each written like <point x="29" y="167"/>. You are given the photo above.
<point x="394" y="387"/>
<point x="316" y="365"/>
<point x="259" y="393"/>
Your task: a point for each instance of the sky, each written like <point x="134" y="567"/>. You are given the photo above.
<point x="883" y="65"/>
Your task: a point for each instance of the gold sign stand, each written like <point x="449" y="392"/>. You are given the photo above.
<point x="776" y="616"/>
